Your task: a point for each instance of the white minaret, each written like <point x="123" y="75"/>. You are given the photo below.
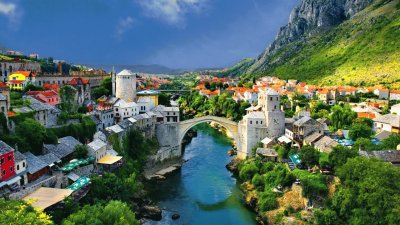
<point x="126" y="86"/>
<point x="113" y="81"/>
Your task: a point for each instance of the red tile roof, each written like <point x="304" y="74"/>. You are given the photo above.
<point x="75" y="81"/>
<point x="366" y="115"/>
<point x="3" y="85"/>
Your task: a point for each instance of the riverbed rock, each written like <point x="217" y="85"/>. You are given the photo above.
<point x="175" y="216"/>
<point x="151" y="212"/>
<point x="233" y="166"/>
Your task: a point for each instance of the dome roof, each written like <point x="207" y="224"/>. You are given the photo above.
<point x="125" y="73"/>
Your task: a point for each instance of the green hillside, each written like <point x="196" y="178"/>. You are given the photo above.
<point x="364" y="50"/>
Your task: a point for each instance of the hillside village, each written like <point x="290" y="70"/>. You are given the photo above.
<point x="77" y="128"/>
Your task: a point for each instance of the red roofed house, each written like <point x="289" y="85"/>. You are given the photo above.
<point x="50" y="97"/>
<point x="394" y="95"/>
<point x="83" y="89"/>
<point x="382" y="93"/>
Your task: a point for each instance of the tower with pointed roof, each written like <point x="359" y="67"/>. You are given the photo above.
<point x="125" y="87"/>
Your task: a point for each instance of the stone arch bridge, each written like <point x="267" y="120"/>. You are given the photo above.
<point x="231" y="126"/>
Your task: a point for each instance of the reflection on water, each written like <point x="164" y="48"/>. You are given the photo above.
<point x="204" y="191"/>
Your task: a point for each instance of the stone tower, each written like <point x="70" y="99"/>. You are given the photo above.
<point x="126" y="86"/>
<point x="274" y="117"/>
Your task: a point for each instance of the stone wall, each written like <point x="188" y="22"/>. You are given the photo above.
<point x="30" y="189"/>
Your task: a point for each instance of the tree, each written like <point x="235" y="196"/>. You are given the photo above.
<point x="18" y="212"/>
<point x="115" y="212"/>
<point x="369" y="192"/>
<point x="207" y="85"/>
<point x="247" y="171"/>
<point x="164" y="99"/>
<point x="391" y="142"/>
<point x="32" y="87"/>
<point x="326" y="217"/>
<point x="340" y="155"/>
<point x="360" y="130"/>
<point x="80" y="151"/>
<point x="33" y="135"/>
<point x="309" y="155"/>
<point x="67" y="99"/>
<point x="342" y="116"/>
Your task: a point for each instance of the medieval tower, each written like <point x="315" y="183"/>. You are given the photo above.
<point x="266" y="120"/>
<point x="125" y="86"/>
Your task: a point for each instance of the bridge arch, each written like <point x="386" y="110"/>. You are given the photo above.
<point x="231" y="126"/>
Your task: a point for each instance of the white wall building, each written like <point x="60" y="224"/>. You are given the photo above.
<point x="123" y="110"/>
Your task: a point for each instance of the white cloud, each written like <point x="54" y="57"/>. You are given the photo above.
<point x="7" y="9"/>
<point x="12" y="12"/>
<point x="171" y="11"/>
<point x="123" y="26"/>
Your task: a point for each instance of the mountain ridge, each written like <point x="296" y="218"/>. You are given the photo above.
<point x="360" y="50"/>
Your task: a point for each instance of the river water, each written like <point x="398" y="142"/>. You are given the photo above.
<point x="204" y="191"/>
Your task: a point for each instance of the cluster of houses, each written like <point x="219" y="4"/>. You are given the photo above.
<point x="301" y="129"/>
<point x="289" y="88"/>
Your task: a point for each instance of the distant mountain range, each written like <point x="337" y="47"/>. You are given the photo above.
<point x="149" y="69"/>
<point x="334" y="42"/>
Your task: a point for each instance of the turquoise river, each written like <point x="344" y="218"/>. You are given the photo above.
<point x="204" y="192"/>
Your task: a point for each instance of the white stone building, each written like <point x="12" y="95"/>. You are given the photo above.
<point x="123" y="110"/>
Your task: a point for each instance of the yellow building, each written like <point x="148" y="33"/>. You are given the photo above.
<point x="19" y="79"/>
<point x="147" y="100"/>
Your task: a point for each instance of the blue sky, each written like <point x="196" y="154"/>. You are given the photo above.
<point x="174" y="33"/>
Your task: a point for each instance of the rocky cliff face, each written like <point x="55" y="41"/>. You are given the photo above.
<point x="310" y="17"/>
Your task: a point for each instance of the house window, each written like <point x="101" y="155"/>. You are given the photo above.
<point x="261" y="122"/>
<point x="251" y="122"/>
<point x="9" y="157"/>
<point x="257" y="122"/>
<point x="4" y="172"/>
<point x="270" y="98"/>
<point x="17" y="167"/>
<point x="2" y="160"/>
<point x="11" y="169"/>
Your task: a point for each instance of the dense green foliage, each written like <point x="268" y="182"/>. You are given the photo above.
<point x="309" y="155"/>
<point x="68" y="104"/>
<point x="360" y="130"/>
<point x="342" y="116"/>
<point x="114" y="212"/>
<point x="29" y="136"/>
<point x="369" y="194"/>
<point x="18" y="212"/>
<point x="313" y="184"/>
<point x="105" y="88"/>
<point x="82" y="131"/>
<point x="223" y="105"/>
<point x="80" y="151"/>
